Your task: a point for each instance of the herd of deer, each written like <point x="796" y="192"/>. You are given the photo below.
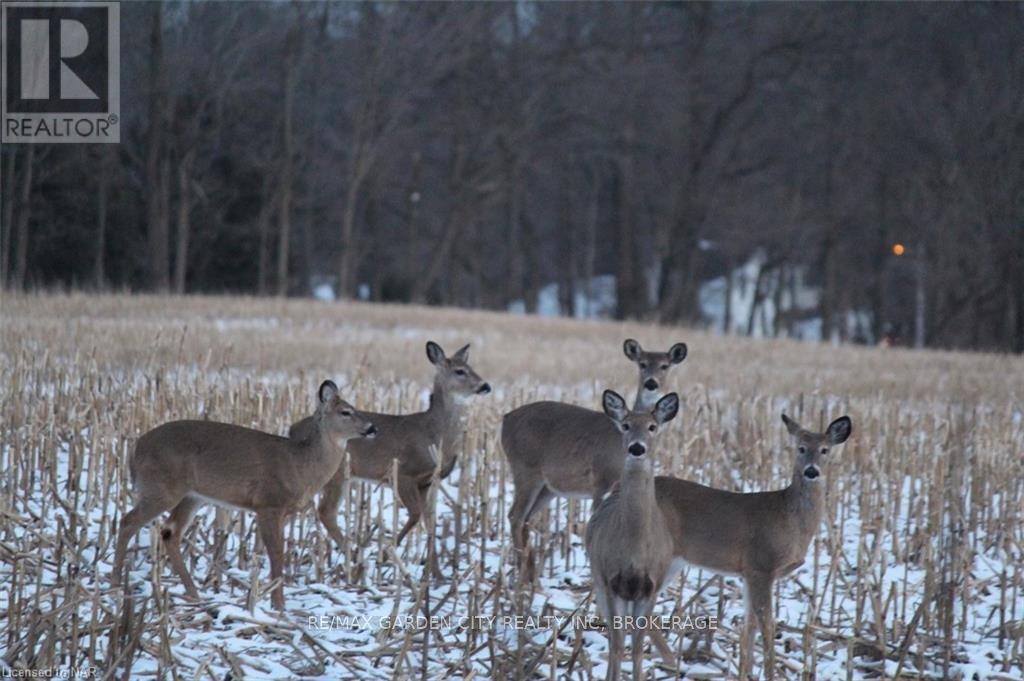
<point x="643" y="530"/>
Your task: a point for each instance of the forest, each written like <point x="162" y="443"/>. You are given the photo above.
<point x="472" y="154"/>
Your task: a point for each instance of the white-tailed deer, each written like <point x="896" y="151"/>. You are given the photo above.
<point x="628" y="542"/>
<point x="561" y="449"/>
<point x="758" y="536"/>
<point x="181" y="465"/>
<point x="410" y="438"/>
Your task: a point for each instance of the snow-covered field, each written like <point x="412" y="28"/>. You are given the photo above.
<point x="916" y="572"/>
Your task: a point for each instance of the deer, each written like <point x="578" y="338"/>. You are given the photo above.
<point x="566" y="450"/>
<point x="412" y="439"/>
<point x="181" y="465"/>
<point x="628" y="542"/>
<point x="759" y="536"/>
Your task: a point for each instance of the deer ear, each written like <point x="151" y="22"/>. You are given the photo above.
<point x="463" y="354"/>
<point x="434" y="353"/>
<point x="792" y="426"/>
<point x="328" y="391"/>
<point x="614" y="406"/>
<point x="839" y="430"/>
<point x="666" y="408"/>
<point x="632" y="349"/>
<point x="677" y="353"/>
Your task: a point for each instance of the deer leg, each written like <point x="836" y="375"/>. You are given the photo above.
<point x="327" y="509"/>
<point x="747" y="634"/>
<point x="435" y="565"/>
<point x="171" y="533"/>
<point x="409" y="493"/>
<point x="604" y="606"/>
<point x="148" y="508"/>
<point x="271" y="522"/>
<point x="759" y="590"/>
<point x="655" y="634"/>
<point x="616" y="637"/>
<point x="640" y="608"/>
<point x="540" y="498"/>
<point x="525" y="494"/>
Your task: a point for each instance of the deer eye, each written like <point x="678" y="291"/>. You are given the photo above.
<point x="625" y="427"/>
<point x="803" y="450"/>
<point x="346" y="412"/>
<point x="643" y="365"/>
<point x="824" y="450"/>
<point x="460" y="372"/>
<point x="652" y="428"/>
<point x="664" y="367"/>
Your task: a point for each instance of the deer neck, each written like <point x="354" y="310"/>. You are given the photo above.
<point x="807" y="500"/>
<point x="320" y="454"/>
<point x="645" y="399"/>
<point x="636" y="497"/>
<point x="446" y="414"/>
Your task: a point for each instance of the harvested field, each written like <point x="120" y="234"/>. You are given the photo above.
<point x="917" y="571"/>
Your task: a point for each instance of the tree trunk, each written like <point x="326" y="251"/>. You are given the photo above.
<point x="778" y="278"/>
<point x="1017" y="291"/>
<point x="25" y="212"/>
<point x="292" y="48"/>
<point x="347" y="265"/>
<point x="7" y="221"/>
<point x="359" y="168"/>
<point x="156" y="200"/>
<point x="756" y="300"/>
<point x="920" y="300"/>
<point x="183" y="227"/>
<point x="678" y="279"/>
<point x="630" y="289"/>
<point x="102" y="197"/>
<point x="362" y="161"/>
<point x="590" y="243"/>
<point x="284" y="230"/>
<point x="727" y="303"/>
<point x="569" y="269"/>
<point x="263" y="229"/>
<point x="876" y="289"/>
<point x="308" y="250"/>
<point x="412" y="235"/>
<point x="828" y="300"/>
<point x="531" y="270"/>
<point x="441" y="256"/>
<point x="378" y="245"/>
<point x="630" y="293"/>
<point x="514" y="282"/>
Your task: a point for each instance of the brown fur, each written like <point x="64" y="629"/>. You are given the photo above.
<point x="760" y="536"/>
<point x="627" y="541"/>
<point x="557" y="449"/>
<point x="409" y="438"/>
<point x="181" y="465"/>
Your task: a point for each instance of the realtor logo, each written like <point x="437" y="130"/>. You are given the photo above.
<point x="61" y="72"/>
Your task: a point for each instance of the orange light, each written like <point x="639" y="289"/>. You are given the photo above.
<point x="898" y="249"/>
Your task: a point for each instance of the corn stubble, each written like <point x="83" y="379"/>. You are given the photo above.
<point x="916" y="571"/>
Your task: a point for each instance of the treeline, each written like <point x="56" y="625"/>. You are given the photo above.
<point x="472" y="153"/>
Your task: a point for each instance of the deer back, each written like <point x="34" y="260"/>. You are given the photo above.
<point x="575" y="450"/>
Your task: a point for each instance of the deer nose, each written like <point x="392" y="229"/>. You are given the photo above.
<point x="484" y="389"/>
<point x="650" y="384"/>
<point x="638" y="449"/>
<point x="370" y="431"/>
<point x="811" y="472"/>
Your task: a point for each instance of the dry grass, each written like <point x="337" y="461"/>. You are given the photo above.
<point x="916" y="572"/>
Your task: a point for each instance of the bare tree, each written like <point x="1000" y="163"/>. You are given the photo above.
<point x="292" y="57"/>
<point x="156" y="186"/>
<point x="475" y="154"/>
